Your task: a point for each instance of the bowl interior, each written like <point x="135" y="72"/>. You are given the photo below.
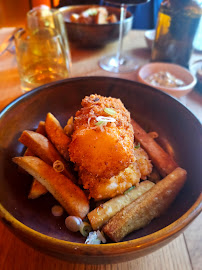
<point x="94" y="35"/>
<point x="179" y="133"/>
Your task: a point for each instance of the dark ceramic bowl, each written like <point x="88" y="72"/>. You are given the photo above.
<point x="94" y="35"/>
<point x="32" y="221"/>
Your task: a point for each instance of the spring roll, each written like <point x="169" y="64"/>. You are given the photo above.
<point x="100" y="215"/>
<point x="147" y="207"/>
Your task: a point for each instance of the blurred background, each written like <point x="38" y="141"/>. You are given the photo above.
<point x="13" y="13"/>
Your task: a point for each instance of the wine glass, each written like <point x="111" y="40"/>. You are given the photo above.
<point x="121" y="62"/>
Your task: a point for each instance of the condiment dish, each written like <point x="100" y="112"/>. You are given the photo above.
<point x="177" y="71"/>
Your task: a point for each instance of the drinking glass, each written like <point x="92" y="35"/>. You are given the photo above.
<point x="121" y="62"/>
<point x="42" y="49"/>
<point x="42" y="17"/>
<point x="41" y="58"/>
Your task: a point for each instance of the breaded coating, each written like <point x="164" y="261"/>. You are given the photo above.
<point x="105" y="188"/>
<point x="102" y="150"/>
<point x="102" y="154"/>
<point x="143" y="162"/>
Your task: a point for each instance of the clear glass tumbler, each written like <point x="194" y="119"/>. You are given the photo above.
<point x="42" y="49"/>
<point x="41" y="58"/>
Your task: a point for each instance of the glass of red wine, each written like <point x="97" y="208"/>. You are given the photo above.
<point x="121" y="62"/>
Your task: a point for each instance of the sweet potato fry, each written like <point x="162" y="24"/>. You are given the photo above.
<point x="100" y="215"/>
<point x="162" y="160"/>
<point x="57" y="135"/>
<point x="70" y="196"/>
<point x="44" y="149"/>
<point x="147" y="207"/>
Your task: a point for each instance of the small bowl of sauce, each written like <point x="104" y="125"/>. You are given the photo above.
<point x="170" y="78"/>
<point x="165" y="79"/>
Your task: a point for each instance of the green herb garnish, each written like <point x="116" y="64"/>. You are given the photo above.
<point x="137" y="146"/>
<point x="128" y="190"/>
<point x="101" y="123"/>
<point x="110" y="111"/>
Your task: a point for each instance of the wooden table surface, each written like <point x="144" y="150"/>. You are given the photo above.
<point x="183" y="253"/>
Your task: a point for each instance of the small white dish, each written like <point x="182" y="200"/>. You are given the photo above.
<point x="178" y="71"/>
<point x="149" y="37"/>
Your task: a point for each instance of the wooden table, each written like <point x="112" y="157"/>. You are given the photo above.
<point x="183" y="253"/>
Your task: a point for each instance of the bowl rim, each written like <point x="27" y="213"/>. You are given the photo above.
<point x="120" y="248"/>
<point x="65" y="8"/>
<point x="164" y="88"/>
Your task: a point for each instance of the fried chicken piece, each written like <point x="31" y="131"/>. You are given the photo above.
<point x="105" y="188"/>
<point x="103" y="149"/>
<point x="102" y="154"/>
<point x="143" y="162"/>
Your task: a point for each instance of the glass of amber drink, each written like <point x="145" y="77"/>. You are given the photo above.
<point x="42" y="54"/>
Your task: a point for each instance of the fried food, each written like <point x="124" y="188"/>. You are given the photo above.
<point x="70" y="196"/>
<point x="143" y="162"/>
<point x="94" y="15"/>
<point x="43" y="148"/>
<point x="153" y="134"/>
<point x="154" y="176"/>
<point x="37" y="189"/>
<point x="40" y="129"/>
<point x="110" y="162"/>
<point x="111" y="187"/>
<point x="57" y="135"/>
<point x="69" y="128"/>
<point x="100" y="215"/>
<point x="103" y="149"/>
<point x="162" y="160"/>
<point x="147" y="207"/>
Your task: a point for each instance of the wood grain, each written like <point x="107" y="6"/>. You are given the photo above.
<point x="193" y="238"/>
<point x="16" y="255"/>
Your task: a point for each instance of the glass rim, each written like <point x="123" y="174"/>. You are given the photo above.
<point x="20" y="32"/>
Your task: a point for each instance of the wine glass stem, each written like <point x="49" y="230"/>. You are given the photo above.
<point x="120" y="41"/>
